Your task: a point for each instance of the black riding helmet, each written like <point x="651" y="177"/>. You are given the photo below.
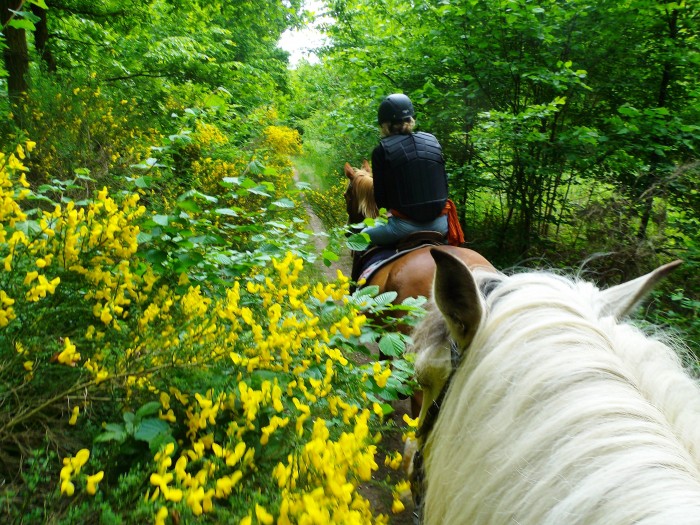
<point x="395" y="108"/>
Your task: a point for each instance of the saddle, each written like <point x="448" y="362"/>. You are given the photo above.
<point x="365" y="263"/>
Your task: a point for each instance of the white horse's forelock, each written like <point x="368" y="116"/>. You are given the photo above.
<point x="559" y="417"/>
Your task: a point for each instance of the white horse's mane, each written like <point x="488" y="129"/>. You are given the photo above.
<point x="559" y="415"/>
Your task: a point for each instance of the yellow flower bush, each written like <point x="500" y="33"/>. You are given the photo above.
<point x="227" y="383"/>
<point x="229" y="430"/>
<point x="329" y="205"/>
<point x="317" y="486"/>
<point x="208" y="135"/>
<point x="283" y="140"/>
<point x="79" y="120"/>
<point x="208" y="172"/>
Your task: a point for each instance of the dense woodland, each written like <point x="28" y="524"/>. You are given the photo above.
<point x="168" y="351"/>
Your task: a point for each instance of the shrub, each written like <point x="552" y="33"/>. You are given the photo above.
<point x="168" y="383"/>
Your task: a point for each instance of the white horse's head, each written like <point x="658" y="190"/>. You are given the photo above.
<point x="559" y="412"/>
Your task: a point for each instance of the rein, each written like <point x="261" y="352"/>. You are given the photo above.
<point x="418" y="478"/>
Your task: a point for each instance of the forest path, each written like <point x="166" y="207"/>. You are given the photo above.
<point x="320" y="240"/>
<point x="378" y="491"/>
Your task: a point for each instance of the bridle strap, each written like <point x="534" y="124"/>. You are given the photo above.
<point x="418" y="478"/>
<point x="434" y="409"/>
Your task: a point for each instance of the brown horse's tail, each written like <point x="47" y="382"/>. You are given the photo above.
<point x="455" y="235"/>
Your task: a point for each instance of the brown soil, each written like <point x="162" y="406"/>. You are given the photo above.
<point x="377" y="491"/>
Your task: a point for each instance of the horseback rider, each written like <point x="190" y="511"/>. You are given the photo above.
<point x="409" y="175"/>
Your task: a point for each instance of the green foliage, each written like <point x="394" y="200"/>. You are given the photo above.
<point x="529" y="100"/>
<point x="197" y="315"/>
<point x="156" y="283"/>
<point x="78" y="127"/>
<point x="568" y="129"/>
<point x="139" y="426"/>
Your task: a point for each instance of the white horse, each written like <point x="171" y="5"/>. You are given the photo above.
<point x="557" y="412"/>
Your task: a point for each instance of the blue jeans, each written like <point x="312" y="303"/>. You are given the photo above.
<point x="396" y="229"/>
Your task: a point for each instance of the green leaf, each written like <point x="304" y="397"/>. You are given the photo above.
<point x="329" y="257"/>
<point x="394" y="385"/>
<point x="190" y="206"/>
<point x="187" y="260"/>
<point x="391" y="345"/>
<point x="358" y="242"/>
<point x="259" y="190"/>
<point x="28" y="227"/>
<point x="206" y="239"/>
<point x="149" y="429"/>
<point x="162" y="220"/>
<point x="284" y="203"/>
<point x="403" y="366"/>
<point x="114" y="432"/>
<point x="248" y="183"/>
<point x="159" y="441"/>
<point x="414" y="302"/>
<point x="386" y="408"/>
<point x="149" y="409"/>
<point x="143" y="182"/>
<point x="628" y="111"/>
<point x="83" y="174"/>
<point x="385" y="299"/>
<point x="156" y="256"/>
<point x="226" y="211"/>
<point x="215" y="101"/>
<point x="197" y="195"/>
<point x="256" y="168"/>
<point x="367" y="290"/>
<point x="230" y="181"/>
<point x="25" y="15"/>
<point x="19" y="23"/>
<point x="129" y="420"/>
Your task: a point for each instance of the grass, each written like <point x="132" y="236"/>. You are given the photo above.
<point x="317" y="167"/>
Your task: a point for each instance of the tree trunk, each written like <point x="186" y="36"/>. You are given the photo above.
<point x="41" y="39"/>
<point x="16" y="56"/>
<point x="666" y="77"/>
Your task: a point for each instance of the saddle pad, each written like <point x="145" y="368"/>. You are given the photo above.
<point x="383" y="257"/>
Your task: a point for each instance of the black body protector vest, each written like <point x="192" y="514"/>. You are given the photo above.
<point x="418" y="187"/>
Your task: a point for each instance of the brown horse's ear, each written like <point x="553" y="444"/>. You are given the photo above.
<point x="366" y="166"/>
<point x="620" y="300"/>
<point x="349" y="172"/>
<point x="457" y="296"/>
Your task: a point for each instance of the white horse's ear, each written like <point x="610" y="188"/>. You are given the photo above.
<point x="457" y="296"/>
<point x="366" y="166"/>
<point x="349" y="172"/>
<point x="620" y="300"/>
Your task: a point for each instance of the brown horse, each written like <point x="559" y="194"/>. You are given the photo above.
<point x="412" y="274"/>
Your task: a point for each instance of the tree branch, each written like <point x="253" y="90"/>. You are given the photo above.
<point x="143" y="74"/>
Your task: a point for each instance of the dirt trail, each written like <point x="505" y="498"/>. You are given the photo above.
<point x="379" y="496"/>
<point x="344" y="262"/>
